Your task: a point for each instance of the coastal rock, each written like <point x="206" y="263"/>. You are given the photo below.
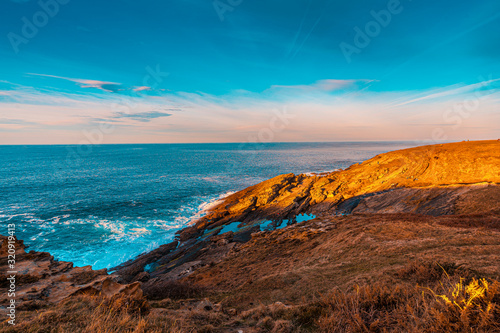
<point x="316" y="256"/>
<point x="439" y="180"/>
<point x="285" y="196"/>
<point x="40" y="279"/>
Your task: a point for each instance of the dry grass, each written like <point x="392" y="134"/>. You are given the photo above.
<point x="312" y="269"/>
<point x="441" y="302"/>
<point x="451" y="304"/>
<point x="158" y="289"/>
<point x="308" y="260"/>
<point x="93" y="314"/>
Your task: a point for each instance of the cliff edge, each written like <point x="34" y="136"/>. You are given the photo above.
<point x="428" y="167"/>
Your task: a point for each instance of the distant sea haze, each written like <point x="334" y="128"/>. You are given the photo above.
<point x="122" y="200"/>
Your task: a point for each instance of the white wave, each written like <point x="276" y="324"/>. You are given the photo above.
<point x="140" y="231"/>
<point x="11" y="216"/>
<point x="214" y="202"/>
<point x="117" y="229"/>
<point x="207" y="205"/>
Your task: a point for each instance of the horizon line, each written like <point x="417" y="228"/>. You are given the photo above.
<point x="245" y="142"/>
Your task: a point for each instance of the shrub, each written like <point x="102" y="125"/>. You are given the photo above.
<point x="467" y="306"/>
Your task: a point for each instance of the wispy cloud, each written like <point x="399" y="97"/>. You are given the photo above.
<point x="142" y="88"/>
<point x="327" y="85"/>
<point x="112" y="87"/>
<point x="351" y="113"/>
<point x="142" y="116"/>
<point x="451" y="91"/>
<point x="9" y="121"/>
<point x="85" y="83"/>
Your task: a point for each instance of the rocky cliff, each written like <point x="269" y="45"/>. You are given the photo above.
<point x="265" y="254"/>
<point x="445" y="179"/>
<point x="286" y="196"/>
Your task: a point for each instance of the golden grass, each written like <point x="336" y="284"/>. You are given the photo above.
<point x="423" y="297"/>
<point x="93" y="314"/>
<point x="470" y="306"/>
<point x="451" y="305"/>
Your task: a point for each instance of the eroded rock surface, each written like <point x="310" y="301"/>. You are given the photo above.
<point x="41" y="280"/>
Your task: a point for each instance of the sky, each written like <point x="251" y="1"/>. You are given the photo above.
<point x="151" y="71"/>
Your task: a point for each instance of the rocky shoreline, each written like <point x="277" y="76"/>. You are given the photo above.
<point x="415" y="181"/>
<point x="294" y="238"/>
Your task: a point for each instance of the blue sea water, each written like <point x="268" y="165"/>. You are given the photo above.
<point x="105" y="204"/>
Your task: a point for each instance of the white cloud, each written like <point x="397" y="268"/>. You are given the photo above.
<point x="351" y="114"/>
<point x="451" y="91"/>
<point x="85" y="83"/>
<point x="327" y="85"/>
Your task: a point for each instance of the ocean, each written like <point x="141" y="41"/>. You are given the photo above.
<point x="103" y="205"/>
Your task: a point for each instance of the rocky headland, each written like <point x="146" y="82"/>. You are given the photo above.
<point x="284" y="255"/>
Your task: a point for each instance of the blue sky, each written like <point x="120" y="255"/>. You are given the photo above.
<point x="219" y="71"/>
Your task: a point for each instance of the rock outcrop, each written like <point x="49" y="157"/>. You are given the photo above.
<point x="285" y="196"/>
<point x="446" y="179"/>
<point x="41" y="280"/>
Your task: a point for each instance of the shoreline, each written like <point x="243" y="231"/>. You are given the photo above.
<point x="438" y="227"/>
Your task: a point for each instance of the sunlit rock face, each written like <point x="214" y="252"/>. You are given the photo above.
<point x="285" y="196"/>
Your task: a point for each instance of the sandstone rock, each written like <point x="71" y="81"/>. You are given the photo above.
<point x="41" y="279"/>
